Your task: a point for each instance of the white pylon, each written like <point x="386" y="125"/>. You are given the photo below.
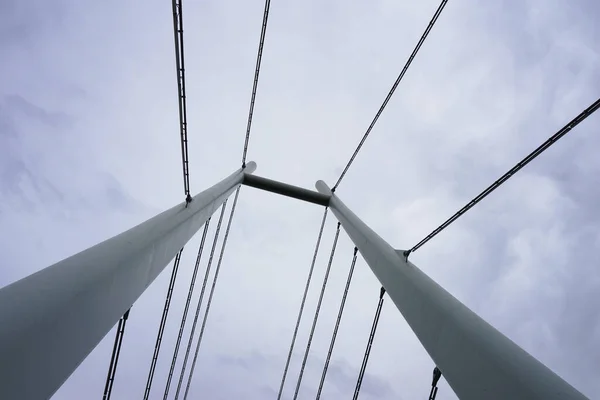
<point x="476" y="360"/>
<point x="51" y="320"/>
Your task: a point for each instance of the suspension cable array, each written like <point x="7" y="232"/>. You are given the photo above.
<point x="316" y="318"/>
<point x="161" y="327"/>
<point x="182" y="110"/>
<point x="261" y="43"/>
<point x="180" y="65"/>
<point x="114" y="359"/>
<point x="363" y="368"/>
<point x="199" y="305"/>
<point x="530" y="157"/>
<point x="186" y="309"/>
<point x="392" y="90"/>
<point x="211" y="293"/>
<point x="302" y="304"/>
<point x="337" y="324"/>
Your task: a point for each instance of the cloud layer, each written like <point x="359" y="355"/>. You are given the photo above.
<point x="89" y="146"/>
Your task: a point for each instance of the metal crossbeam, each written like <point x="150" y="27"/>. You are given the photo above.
<point x="285" y="189"/>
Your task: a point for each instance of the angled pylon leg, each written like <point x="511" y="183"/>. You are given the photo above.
<point x="477" y="360"/>
<point x="51" y="320"/>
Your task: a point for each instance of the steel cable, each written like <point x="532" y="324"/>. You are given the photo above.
<point x="319" y="303"/>
<point x="302" y="304"/>
<point x="392" y="90"/>
<point x="212" y="292"/>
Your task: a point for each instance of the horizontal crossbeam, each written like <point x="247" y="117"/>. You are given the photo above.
<point x="285" y="189"/>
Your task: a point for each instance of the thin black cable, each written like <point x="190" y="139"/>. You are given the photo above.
<point x="199" y="305"/>
<point x="530" y="157"/>
<point x="114" y="359"/>
<point x="261" y="43"/>
<point x="363" y="367"/>
<point x="186" y="309"/>
<point x="437" y="374"/>
<point x="393" y="89"/>
<point x="302" y="304"/>
<point x="337" y="324"/>
<point x="161" y="327"/>
<point x="433" y="393"/>
<point x="211" y="293"/>
<point x="111" y="372"/>
<point x="314" y="324"/>
<point x="180" y="65"/>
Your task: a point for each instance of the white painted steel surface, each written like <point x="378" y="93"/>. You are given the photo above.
<point x="477" y="360"/>
<point x="51" y="320"/>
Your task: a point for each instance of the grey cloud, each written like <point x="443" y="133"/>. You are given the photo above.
<point x="24" y="177"/>
<point x="16" y="104"/>
<point x="16" y="167"/>
<point x="344" y="377"/>
<point x="93" y="114"/>
<point x="22" y="23"/>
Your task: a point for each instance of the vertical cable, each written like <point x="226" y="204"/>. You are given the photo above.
<point x="180" y="66"/>
<point x="161" y="327"/>
<point x="310" y="273"/>
<point x="212" y="292"/>
<point x="186" y="309"/>
<point x="204" y="282"/>
<point x="114" y="359"/>
<point x="337" y="323"/>
<point x="314" y="324"/>
<point x="363" y="367"/>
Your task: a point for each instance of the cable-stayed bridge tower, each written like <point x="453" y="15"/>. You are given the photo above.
<point x="51" y="320"/>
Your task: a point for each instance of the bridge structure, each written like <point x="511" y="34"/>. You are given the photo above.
<point x="51" y="320"/>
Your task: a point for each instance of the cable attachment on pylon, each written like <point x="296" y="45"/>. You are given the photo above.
<point x="437" y="374"/>
<point x="363" y="368"/>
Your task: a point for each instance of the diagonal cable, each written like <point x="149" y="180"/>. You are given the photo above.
<point x="212" y="292"/>
<point x="186" y="309"/>
<point x="314" y="324"/>
<point x="337" y="324"/>
<point x="204" y="282"/>
<point x="161" y="327"/>
<point x="363" y="367"/>
<point x="114" y="360"/>
<point x="261" y="43"/>
<point x="530" y="157"/>
<point x="302" y="304"/>
<point x="392" y="90"/>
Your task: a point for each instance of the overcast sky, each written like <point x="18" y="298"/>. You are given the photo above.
<point x="89" y="146"/>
